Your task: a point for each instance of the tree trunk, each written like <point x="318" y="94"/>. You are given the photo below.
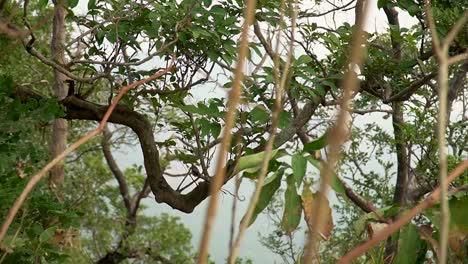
<point x="401" y="188"/>
<point x="60" y="126"/>
<point x="402" y="155"/>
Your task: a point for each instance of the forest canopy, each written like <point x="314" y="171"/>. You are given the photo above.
<point x="352" y="130"/>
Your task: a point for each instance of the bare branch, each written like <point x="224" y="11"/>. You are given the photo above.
<point x="114" y="167"/>
<point x="402" y="220"/>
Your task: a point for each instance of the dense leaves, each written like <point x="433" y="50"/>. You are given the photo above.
<point x="388" y="164"/>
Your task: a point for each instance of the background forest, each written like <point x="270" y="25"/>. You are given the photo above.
<point x="340" y="126"/>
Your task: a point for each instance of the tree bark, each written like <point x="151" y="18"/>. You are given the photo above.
<point x="399" y="197"/>
<point x="401" y="188"/>
<point x="60" y="126"/>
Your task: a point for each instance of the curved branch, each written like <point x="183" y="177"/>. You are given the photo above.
<point x="77" y="108"/>
<point x="34" y="180"/>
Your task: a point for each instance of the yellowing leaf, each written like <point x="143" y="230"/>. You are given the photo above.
<point x="457" y="241"/>
<point x="458" y="234"/>
<point x="309" y="204"/>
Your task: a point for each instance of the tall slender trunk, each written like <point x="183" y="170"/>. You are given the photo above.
<point x="401" y="188"/>
<point x="401" y="148"/>
<point x="60" y="126"/>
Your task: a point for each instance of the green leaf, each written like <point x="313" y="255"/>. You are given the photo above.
<point x="47" y="234"/>
<point x="303" y="59"/>
<point x="14" y="113"/>
<point x="317" y="144"/>
<point x="6" y="84"/>
<point x="12" y="241"/>
<point x="43" y="3"/>
<point x="207" y="3"/>
<point x="299" y="166"/>
<point x="259" y="114"/>
<point x="269" y="188"/>
<point x="407" y="64"/>
<point x="335" y="182"/>
<point x="228" y="85"/>
<point x="284" y="119"/>
<point x="292" y="207"/>
<point x="186" y="158"/>
<point x="111" y="35"/>
<point x="330" y="84"/>
<point x="189" y="108"/>
<point x="204" y="126"/>
<point x="203" y="109"/>
<point x="218" y="10"/>
<point x="253" y="161"/>
<point x="72" y="3"/>
<point x="458" y="213"/>
<point x="215" y="129"/>
<point x="410" y="6"/>
<point x="197" y="32"/>
<point x="214" y="111"/>
<point x="91" y="4"/>
<point x="382" y="3"/>
<point x="410" y="246"/>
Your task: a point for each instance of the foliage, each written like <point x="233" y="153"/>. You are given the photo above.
<point x="177" y="121"/>
<point x="34" y="237"/>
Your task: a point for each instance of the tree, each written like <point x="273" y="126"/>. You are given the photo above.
<point x="112" y="44"/>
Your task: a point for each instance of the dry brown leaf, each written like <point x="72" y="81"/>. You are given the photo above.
<point x="64" y="237"/>
<point x="307" y="198"/>
<point x="374" y="227"/>
<point x="458" y="241"/>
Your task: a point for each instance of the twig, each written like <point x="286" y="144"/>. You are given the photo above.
<point x="387" y="231"/>
<point x="236" y="195"/>
<point x="8" y="250"/>
<point x="89" y="31"/>
<point x="441" y="51"/>
<point x="199" y="146"/>
<point x="338" y="132"/>
<point x="337" y="8"/>
<point x="269" y="146"/>
<point x="38" y="176"/>
<point x="458" y="58"/>
<point x="233" y="100"/>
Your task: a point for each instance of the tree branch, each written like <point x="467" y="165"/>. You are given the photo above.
<point x="410" y="90"/>
<point x="118" y="174"/>
<point x="390" y="229"/>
